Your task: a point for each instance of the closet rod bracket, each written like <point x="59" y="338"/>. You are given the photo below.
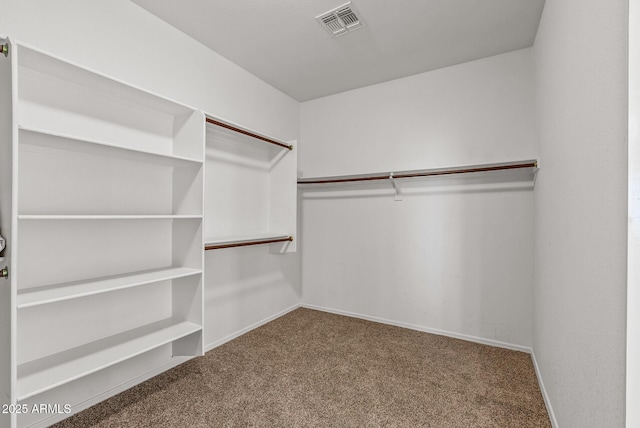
<point x="4" y="48"/>
<point x="4" y="272"/>
<point x="397" y="196"/>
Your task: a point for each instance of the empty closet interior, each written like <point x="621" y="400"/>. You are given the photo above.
<point x="159" y="200"/>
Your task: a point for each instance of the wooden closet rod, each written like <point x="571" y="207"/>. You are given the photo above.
<point x="247" y="243"/>
<point x="250" y="134"/>
<point x="413" y="174"/>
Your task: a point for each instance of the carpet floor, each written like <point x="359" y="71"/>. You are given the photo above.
<point x="314" y="369"/>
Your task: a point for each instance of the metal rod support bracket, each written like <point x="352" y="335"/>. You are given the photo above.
<point x="535" y="173"/>
<point x="397" y="197"/>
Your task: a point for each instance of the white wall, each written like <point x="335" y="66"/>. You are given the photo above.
<point x="633" y="256"/>
<point x="122" y="40"/>
<point x="454" y="255"/>
<point x="581" y="210"/>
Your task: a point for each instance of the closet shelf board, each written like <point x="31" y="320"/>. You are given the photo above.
<point x="50" y="65"/>
<point x="57" y="141"/>
<point x="108" y="217"/>
<point x="71" y="290"/>
<point x="46" y="373"/>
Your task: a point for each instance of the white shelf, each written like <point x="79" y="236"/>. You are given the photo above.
<point x="41" y="375"/>
<point x="71" y="290"/>
<point x="67" y="99"/>
<point x="107" y="217"/>
<point x="58" y="141"/>
<point x="51" y="66"/>
<point x="60" y="175"/>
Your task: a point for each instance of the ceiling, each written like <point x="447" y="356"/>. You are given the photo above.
<point x="280" y="41"/>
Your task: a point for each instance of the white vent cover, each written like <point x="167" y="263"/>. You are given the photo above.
<point x="341" y="20"/>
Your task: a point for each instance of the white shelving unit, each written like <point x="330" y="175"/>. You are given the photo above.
<point x="107" y="218"/>
<point x="251" y="188"/>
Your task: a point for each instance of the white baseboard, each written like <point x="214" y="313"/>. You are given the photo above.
<point x="466" y="337"/>
<point x="247" y="329"/>
<point x="543" y="391"/>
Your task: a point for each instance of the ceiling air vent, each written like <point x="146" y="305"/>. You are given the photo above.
<point x="340" y="20"/>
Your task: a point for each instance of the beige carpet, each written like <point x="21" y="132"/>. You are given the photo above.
<point x="313" y="369"/>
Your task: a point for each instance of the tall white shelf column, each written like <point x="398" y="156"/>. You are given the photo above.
<point x="106" y="240"/>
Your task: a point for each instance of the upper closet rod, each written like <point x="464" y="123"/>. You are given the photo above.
<point x="424" y="173"/>
<point x="250" y="134"/>
<point x="208" y="247"/>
